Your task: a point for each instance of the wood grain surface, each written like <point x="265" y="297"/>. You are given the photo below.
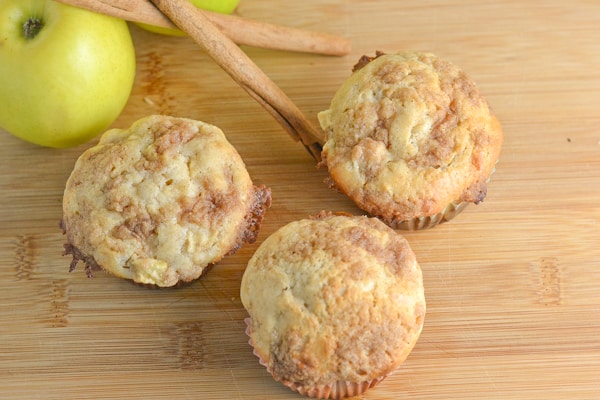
<point x="513" y="284"/>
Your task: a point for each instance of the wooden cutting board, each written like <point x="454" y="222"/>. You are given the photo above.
<point x="512" y="284"/>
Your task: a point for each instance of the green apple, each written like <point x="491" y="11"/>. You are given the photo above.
<point x="220" y="6"/>
<point x="65" y="73"/>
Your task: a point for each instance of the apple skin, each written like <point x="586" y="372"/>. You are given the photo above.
<point x="71" y="81"/>
<point x="219" y="6"/>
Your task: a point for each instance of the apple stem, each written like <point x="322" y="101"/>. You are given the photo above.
<point x="32" y="27"/>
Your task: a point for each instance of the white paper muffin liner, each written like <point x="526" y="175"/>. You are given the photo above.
<point x="334" y="390"/>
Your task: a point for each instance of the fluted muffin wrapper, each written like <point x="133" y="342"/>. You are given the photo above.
<point x="430" y="221"/>
<point x="334" y="390"/>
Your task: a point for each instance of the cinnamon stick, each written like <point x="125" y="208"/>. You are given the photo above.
<point x="243" y="70"/>
<point x="241" y="30"/>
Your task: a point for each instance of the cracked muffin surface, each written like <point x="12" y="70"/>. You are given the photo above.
<point x="407" y="134"/>
<point x="333" y="298"/>
<point x="160" y="202"/>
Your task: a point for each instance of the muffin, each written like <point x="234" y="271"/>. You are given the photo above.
<point x="160" y="202"/>
<point x="335" y="302"/>
<point x="410" y="139"/>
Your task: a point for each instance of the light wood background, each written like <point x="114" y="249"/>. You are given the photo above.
<point x="513" y="284"/>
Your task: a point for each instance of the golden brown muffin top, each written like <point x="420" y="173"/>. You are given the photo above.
<point x="407" y="134"/>
<point x="333" y="298"/>
<point x="161" y="201"/>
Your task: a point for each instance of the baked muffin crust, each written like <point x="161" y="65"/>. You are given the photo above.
<point x="333" y="299"/>
<point x="160" y="202"/>
<point x="408" y="134"/>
